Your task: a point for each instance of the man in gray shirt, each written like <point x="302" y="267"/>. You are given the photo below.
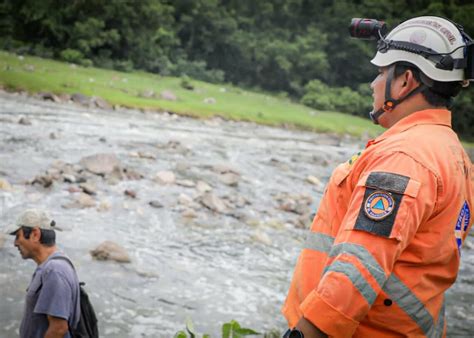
<point x="52" y="305"/>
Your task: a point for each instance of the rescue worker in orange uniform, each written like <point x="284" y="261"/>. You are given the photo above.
<point x="385" y="244"/>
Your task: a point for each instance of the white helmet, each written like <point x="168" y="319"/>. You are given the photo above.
<point x="431" y="43"/>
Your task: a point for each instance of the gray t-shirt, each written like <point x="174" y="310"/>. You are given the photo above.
<point x="54" y="291"/>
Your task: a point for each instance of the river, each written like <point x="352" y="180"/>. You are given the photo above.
<point x="211" y="267"/>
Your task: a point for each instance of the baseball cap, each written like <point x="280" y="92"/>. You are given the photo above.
<point x="32" y="218"/>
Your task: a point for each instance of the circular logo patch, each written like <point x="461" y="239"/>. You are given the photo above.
<point x="379" y="205"/>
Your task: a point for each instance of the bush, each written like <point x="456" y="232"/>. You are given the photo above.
<point x="71" y="55"/>
<point x="197" y="70"/>
<point x="343" y="99"/>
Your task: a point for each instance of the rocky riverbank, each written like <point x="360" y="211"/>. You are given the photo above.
<point x="168" y="217"/>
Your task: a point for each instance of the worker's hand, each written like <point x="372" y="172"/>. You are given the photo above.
<point x="309" y="330"/>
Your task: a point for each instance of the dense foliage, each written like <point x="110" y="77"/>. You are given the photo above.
<point x="300" y="47"/>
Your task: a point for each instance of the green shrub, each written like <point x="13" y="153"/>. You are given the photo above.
<point x="71" y="55"/>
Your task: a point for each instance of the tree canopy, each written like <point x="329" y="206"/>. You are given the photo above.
<point x="300" y="47"/>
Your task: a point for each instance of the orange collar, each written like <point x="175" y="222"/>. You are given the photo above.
<point x="428" y="116"/>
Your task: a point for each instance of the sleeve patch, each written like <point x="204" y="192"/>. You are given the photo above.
<point x="388" y="181"/>
<point x="383" y="195"/>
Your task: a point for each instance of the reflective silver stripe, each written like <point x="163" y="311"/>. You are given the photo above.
<point x="318" y="241"/>
<point x="409" y="303"/>
<point x="437" y="332"/>
<point x="349" y="270"/>
<point x="364" y="257"/>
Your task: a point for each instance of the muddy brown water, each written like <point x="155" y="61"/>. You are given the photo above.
<point x="211" y="268"/>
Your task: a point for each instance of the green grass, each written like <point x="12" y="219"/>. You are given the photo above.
<point x="34" y="74"/>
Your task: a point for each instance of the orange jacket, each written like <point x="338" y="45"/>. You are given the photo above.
<point x="385" y="243"/>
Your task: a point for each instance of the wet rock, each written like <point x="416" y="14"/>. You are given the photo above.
<point x="81" y="201"/>
<point x="214" y="203"/>
<point x="186" y="183"/>
<point x="68" y="178"/>
<point x="25" y="121"/>
<point x="74" y="189"/>
<point x="53" y="136"/>
<point x="184" y="199"/>
<point x="260" y="236"/>
<point x="102" y="139"/>
<point x="44" y="180"/>
<point x="81" y="99"/>
<point x="168" y="95"/>
<point x="109" y="250"/>
<point x="224" y="168"/>
<point x="189" y="213"/>
<point x="155" y="204"/>
<point x="314" y="180"/>
<point x="104" y="206"/>
<point x="149" y="156"/>
<point x="130" y="193"/>
<point x="88" y="188"/>
<point x="203" y="187"/>
<point x="64" y="97"/>
<point x="229" y="178"/>
<point x="100" y="163"/>
<point x="101" y="103"/>
<point x="47" y="96"/>
<point x="131" y="174"/>
<point x="165" y="177"/>
<point x="5" y="185"/>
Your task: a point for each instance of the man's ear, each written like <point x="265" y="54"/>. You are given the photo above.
<point x="406" y="83"/>
<point x="36" y="234"/>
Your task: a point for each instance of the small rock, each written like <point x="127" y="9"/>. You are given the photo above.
<point x="100" y="163"/>
<point x="102" y="139"/>
<point x="203" y="187"/>
<point x="88" y="188"/>
<point x="184" y="199"/>
<point x="210" y="100"/>
<point x="147" y="94"/>
<point x="81" y="99"/>
<point x="111" y="251"/>
<point x="314" y="180"/>
<point x="45" y="180"/>
<point x="262" y="237"/>
<point x="104" y="206"/>
<point x="165" y="177"/>
<point x="155" y="204"/>
<point x="130" y="193"/>
<point x="25" y="121"/>
<point x="49" y="97"/>
<point x="189" y="213"/>
<point x="5" y="185"/>
<point x="214" y="203"/>
<point x="224" y="168"/>
<point x="73" y="189"/>
<point x="168" y="95"/>
<point x="64" y="97"/>
<point x="53" y="136"/>
<point x="132" y="174"/>
<point x="146" y="155"/>
<point x="186" y="183"/>
<point x="81" y="201"/>
<point x="229" y="178"/>
<point x="101" y="103"/>
<point x="69" y="178"/>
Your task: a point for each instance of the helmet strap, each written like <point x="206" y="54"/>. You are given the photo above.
<point x="390" y="103"/>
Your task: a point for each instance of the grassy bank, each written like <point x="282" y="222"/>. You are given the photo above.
<point x="126" y="89"/>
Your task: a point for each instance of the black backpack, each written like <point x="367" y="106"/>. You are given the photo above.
<point x="87" y="326"/>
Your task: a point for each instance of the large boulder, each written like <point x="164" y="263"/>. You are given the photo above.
<point x="110" y="251"/>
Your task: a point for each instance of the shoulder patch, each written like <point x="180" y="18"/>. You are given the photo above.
<point x="379" y="205"/>
<point x="383" y="195"/>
